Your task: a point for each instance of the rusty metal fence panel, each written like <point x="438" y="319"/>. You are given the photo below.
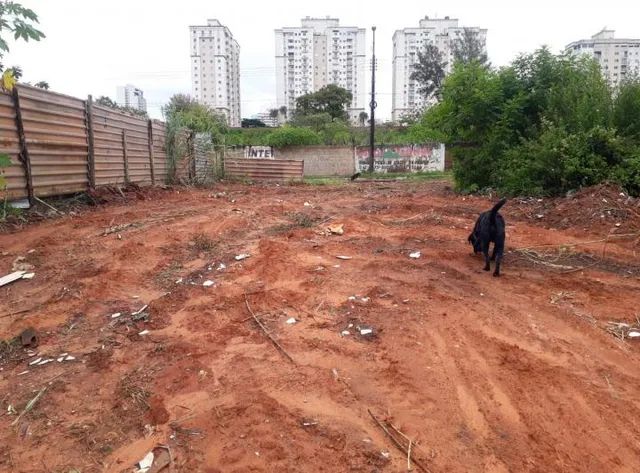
<point x="14" y="175"/>
<point x="58" y="144"/>
<point x="264" y="169"/>
<point x="115" y="163"/>
<point x="159" y="150"/>
<point x="56" y="138"/>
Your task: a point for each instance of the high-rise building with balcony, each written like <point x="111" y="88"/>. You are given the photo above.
<point x="215" y="69"/>
<point x="318" y="53"/>
<point x="618" y="58"/>
<point x="407" y="43"/>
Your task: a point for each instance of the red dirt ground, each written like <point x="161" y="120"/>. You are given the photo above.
<point x="515" y="374"/>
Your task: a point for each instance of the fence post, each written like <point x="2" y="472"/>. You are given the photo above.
<point x="125" y="157"/>
<point x="24" y="150"/>
<point x="151" y="157"/>
<point x="90" y="142"/>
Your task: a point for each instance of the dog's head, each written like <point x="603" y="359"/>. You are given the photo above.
<point x="475" y="242"/>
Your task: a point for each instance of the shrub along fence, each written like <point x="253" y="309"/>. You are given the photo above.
<point x="60" y="145"/>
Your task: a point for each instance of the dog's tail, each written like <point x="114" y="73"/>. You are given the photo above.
<point x="494" y="211"/>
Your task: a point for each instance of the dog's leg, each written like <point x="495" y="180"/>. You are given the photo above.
<point x="498" y="251"/>
<point x="485" y="252"/>
<point x="495" y="251"/>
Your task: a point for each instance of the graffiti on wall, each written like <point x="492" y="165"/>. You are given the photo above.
<point x="262" y="152"/>
<point x="402" y="158"/>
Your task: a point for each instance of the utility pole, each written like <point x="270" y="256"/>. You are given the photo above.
<point x="373" y="103"/>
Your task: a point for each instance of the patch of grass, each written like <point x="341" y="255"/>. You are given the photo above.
<point x="324" y="181"/>
<point x="409" y="176"/>
<point x="203" y="242"/>
<point x="297" y="220"/>
<point x="9" y="350"/>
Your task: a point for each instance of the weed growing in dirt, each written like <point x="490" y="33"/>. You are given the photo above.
<point x="297" y="220"/>
<point x="202" y="242"/>
<point x="9" y="350"/>
<point x="131" y="391"/>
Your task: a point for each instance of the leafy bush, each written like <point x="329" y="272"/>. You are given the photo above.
<point x="544" y="125"/>
<point x="290" y="136"/>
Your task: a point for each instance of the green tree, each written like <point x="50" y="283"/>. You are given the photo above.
<point x="543" y="125"/>
<point x="291" y="136"/>
<point x="18" y="21"/>
<point x="469" y="47"/>
<point x="331" y="99"/>
<point x="42" y="85"/>
<point x="105" y="101"/>
<point x="626" y="109"/>
<point x="429" y="72"/>
<point x="362" y="118"/>
<point x="252" y="123"/>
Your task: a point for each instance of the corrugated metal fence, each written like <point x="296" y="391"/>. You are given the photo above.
<point x="264" y="169"/>
<point x="60" y="145"/>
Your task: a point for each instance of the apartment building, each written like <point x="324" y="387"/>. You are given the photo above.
<point x="442" y="32"/>
<point x="215" y="69"/>
<point x="318" y="53"/>
<point x="131" y="96"/>
<point x="618" y="58"/>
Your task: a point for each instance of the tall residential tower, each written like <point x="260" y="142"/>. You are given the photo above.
<point x="618" y="58"/>
<point x="441" y="32"/>
<point x="318" y="53"/>
<point x="215" y="69"/>
<point x="132" y="97"/>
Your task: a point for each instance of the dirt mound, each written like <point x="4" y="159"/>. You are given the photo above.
<point x="603" y="207"/>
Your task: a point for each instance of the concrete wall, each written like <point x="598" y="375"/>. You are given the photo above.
<point x="403" y="158"/>
<point x="321" y="160"/>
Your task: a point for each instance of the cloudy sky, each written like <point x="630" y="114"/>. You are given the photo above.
<point x="93" y="46"/>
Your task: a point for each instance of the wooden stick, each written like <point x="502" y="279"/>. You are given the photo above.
<point x="409" y="456"/>
<point x="273" y="340"/>
<point x="396" y="442"/>
<point x="37" y="199"/>
<point x="29" y="405"/>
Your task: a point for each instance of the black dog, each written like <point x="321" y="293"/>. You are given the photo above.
<point x="489" y="228"/>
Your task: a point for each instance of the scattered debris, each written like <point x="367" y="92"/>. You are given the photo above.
<point x="399" y="442"/>
<point x="242" y="256"/>
<point x="35" y="362"/>
<point x="345" y="333"/>
<point x="291" y="321"/>
<point x="307" y="204"/>
<point x="144" y="332"/>
<point x="273" y="340"/>
<point x="623" y="330"/>
<point x="365" y="331"/>
<point x="344" y="257"/>
<point x="146" y="463"/>
<point x="179" y="281"/>
<point x="116" y="315"/>
<point x="415" y="255"/>
<point x="208" y="283"/>
<point x="29" y="338"/>
<point x="140" y="311"/>
<point x="336" y="229"/>
<point x="29" y="405"/>
<point x="221" y="267"/>
<point x="28" y="276"/>
<point x="9" y="278"/>
<point x="118" y="228"/>
<point x="20" y="264"/>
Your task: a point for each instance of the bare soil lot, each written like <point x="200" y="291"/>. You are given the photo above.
<point x="510" y="374"/>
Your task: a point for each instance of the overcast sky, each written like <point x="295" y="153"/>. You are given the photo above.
<point x="93" y="46"/>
